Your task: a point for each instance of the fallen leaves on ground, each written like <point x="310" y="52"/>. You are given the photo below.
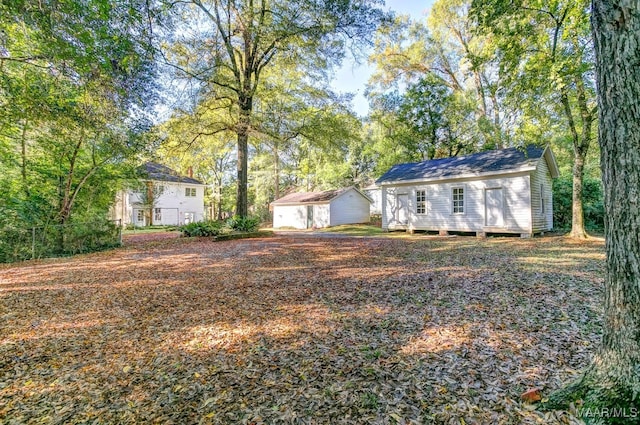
<point x="299" y="330"/>
<point x="131" y="239"/>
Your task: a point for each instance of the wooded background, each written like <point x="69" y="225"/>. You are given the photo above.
<point x="240" y="91"/>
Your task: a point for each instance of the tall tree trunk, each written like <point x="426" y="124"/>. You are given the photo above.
<point x="612" y="381"/>
<point x="496" y="119"/>
<point x="276" y="171"/>
<point x="616" y="28"/>
<point x="577" y="210"/>
<point x="220" y="200"/>
<point x="23" y="159"/>
<point x="244" y="124"/>
<point x="581" y="147"/>
<point x="61" y="219"/>
<point x="579" y="156"/>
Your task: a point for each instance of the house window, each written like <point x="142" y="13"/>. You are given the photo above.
<point x="140" y="216"/>
<point x="457" y="196"/>
<point x="190" y="191"/>
<point x="421" y="201"/>
<point x="157" y="214"/>
<point x="542" y="198"/>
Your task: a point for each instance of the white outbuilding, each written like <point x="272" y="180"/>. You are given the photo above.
<point x="499" y="191"/>
<point x="307" y="210"/>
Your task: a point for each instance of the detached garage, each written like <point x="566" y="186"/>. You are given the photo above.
<point x="306" y="210"/>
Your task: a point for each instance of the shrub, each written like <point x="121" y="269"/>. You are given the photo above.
<point x="202" y="228"/>
<point x="22" y="241"/>
<point x="244" y="224"/>
<point x="90" y="236"/>
<point x="592" y="203"/>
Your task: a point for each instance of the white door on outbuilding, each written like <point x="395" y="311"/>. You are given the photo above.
<point x="494" y="207"/>
<point x="402" y="205"/>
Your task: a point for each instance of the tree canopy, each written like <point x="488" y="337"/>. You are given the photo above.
<point x="75" y="80"/>
<point x="228" y="45"/>
<point x="250" y="106"/>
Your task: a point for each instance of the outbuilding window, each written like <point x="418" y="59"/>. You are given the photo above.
<point x="190" y="191"/>
<point x="421" y="201"/>
<point x="542" y="198"/>
<point x="457" y="197"/>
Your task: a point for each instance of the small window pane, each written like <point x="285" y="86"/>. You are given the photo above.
<point x="458" y="200"/>
<point x="421" y="204"/>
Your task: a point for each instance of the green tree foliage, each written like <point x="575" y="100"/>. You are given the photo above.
<point x="74" y="77"/>
<point x="488" y="74"/>
<point x="228" y="45"/>
<point x="188" y="142"/>
<point x="305" y="138"/>
<point x="302" y="136"/>
<point x="428" y="120"/>
<point x="445" y="50"/>
<point x="592" y="201"/>
<point x="546" y="60"/>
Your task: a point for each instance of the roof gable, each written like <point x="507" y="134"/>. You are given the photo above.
<point x="315" y="197"/>
<point x="496" y="161"/>
<point x="159" y="172"/>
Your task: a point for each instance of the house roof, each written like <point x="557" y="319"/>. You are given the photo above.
<point x="314" y="197"/>
<point x="500" y="161"/>
<point x="155" y="171"/>
<point x="372" y="186"/>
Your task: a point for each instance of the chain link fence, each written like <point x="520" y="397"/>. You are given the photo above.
<point x="20" y="243"/>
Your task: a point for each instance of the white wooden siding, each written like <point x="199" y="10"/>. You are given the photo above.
<point x="376" y="197"/>
<point x="172" y="202"/>
<point x="321" y="215"/>
<point x="349" y="207"/>
<point x="290" y="216"/>
<point x="440" y="216"/>
<point x="541" y="180"/>
<point x="390" y="206"/>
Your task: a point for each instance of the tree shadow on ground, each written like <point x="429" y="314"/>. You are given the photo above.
<point x="298" y="330"/>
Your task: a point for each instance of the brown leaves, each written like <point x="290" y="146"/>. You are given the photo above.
<point x="304" y="330"/>
<point x="532" y="395"/>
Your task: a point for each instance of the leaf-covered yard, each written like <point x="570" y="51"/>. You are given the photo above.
<point x="299" y="330"/>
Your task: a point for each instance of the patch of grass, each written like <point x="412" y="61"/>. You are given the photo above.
<point x="147" y="229"/>
<point x="369" y="401"/>
<point x="244" y="235"/>
<point x="371" y="353"/>
<point x="355" y="230"/>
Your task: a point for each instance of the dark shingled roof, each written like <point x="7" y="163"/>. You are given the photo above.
<point x="155" y="171"/>
<point x="479" y="163"/>
<point x="305" y="197"/>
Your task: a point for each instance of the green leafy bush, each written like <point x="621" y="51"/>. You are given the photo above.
<point x="244" y="224"/>
<point x="21" y="241"/>
<point x="202" y="228"/>
<point x="592" y="203"/>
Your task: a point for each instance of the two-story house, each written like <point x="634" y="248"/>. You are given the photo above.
<point x="163" y="197"/>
